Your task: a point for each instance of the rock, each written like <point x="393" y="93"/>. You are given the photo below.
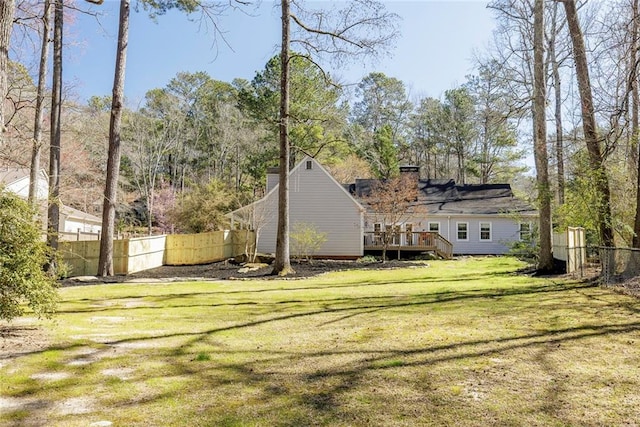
<point x="252" y="267"/>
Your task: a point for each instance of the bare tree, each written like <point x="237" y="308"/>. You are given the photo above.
<point x="545" y="259"/>
<point x="362" y="28"/>
<point x="37" y="126"/>
<point x="393" y="203"/>
<point x="282" y="262"/>
<point x="254" y="217"/>
<point x="53" y="216"/>
<point x="555" y="61"/>
<point x="105" y="262"/>
<point x="517" y="37"/>
<point x="592" y="140"/>
<point x="150" y="141"/>
<point x="209" y="12"/>
<point x="635" y="105"/>
<point x="7" y="9"/>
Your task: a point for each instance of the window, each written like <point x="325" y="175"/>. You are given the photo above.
<point x="463" y="230"/>
<point x="434" y="227"/>
<point x="525" y="231"/>
<point x="309" y="165"/>
<point x="485" y="231"/>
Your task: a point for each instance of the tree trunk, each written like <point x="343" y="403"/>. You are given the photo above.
<point x="592" y="142"/>
<point x="545" y="260"/>
<point x="633" y="73"/>
<point x="105" y="263"/>
<point x="7" y="9"/>
<point x="559" y="132"/>
<point x="56" y="110"/>
<point x="282" y="262"/>
<point x="37" y="126"/>
<point x="633" y="86"/>
<point x="557" y="88"/>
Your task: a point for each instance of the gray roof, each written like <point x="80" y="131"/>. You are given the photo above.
<point x="10" y="175"/>
<point x="445" y="197"/>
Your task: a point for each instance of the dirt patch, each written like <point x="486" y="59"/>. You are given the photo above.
<point x="51" y="376"/>
<point x="16" y="340"/>
<point x="75" y="406"/>
<point x="121" y="373"/>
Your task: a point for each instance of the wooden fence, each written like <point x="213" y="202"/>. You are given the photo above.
<point x="570" y="246"/>
<point x="143" y="253"/>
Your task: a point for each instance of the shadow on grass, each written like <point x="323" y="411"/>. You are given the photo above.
<point x="161" y="300"/>
<point x="320" y="393"/>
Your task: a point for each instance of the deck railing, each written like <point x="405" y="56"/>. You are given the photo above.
<point x="409" y="241"/>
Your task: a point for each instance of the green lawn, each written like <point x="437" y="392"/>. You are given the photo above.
<point x="464" y="343"/>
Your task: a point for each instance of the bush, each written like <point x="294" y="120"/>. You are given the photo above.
<point x="367" y="259"/>
<point x="203" y="209"/>
<point x="23" y="256"/>
<point x="524" y="251"/>
<point x="306" y="240"/>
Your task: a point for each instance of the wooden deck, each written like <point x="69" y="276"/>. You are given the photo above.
<point x="421" y="241"/>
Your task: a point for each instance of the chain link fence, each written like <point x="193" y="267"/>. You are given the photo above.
<point x="618" y="264"/>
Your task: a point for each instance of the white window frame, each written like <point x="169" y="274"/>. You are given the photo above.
<point x="529" y="231"/>
<point x="430" y="223"/>
<point x="309" y="165"/>
<point x="458" y="224"/>
<point x="480" y="231"/>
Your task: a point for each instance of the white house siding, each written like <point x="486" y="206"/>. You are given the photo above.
<point x="74" y="225"/>
<point x="504" y="230"/>
<point x="266" y="234"/>
<point x="21" y="187"/>
<point x="317" y="199"/>
<point x="419" y="223"/>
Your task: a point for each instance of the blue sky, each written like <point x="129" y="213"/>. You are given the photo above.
<point x="433" y="54"/>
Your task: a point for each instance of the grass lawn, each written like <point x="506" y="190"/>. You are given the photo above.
<point x="465" y="343"/>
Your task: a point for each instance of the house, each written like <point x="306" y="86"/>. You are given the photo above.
<point x="315" y="199"/>
<point x="72" y="220"/>
<point x="16" y="180"/>
<point x="446" y="218"/>
<point x="76" y="221"/>
<point x="474" y="219"/>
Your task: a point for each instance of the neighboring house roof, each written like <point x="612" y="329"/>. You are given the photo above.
<point x="445" y="197"/>
<point x="17" y="180"/>
<point x="78" y="215"/>
<point x="11" y="175"/>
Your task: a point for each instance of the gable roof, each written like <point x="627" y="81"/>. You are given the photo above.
<point x="16" y="180"/>
<point x="273" y="191"/>
<point x="445" y="197"/>
<point x="80" y="216"/>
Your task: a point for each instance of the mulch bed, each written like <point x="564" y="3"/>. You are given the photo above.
<point x="226" y="270"/>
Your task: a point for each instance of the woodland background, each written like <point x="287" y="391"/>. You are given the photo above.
<point x="198" y="147"/>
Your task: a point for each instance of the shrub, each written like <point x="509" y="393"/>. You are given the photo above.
<point x="203" y="208"/>
<point x="367" y="259"/>
<point x="23" y="256"/>
<point x="306" y="240"/>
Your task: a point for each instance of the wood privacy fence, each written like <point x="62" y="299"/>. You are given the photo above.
<point x="143" y="253"/>
<point x="570" y="246"/>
